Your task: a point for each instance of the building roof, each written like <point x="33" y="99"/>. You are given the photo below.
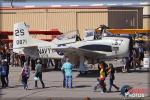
<point x="68" y="7"/>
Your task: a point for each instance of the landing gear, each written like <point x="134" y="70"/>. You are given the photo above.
<point x="126" y="66"/>
<point x="125" y="69"/>
<point x="82" y="67"/>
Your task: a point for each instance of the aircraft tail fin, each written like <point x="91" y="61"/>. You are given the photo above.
<point x="21" y="36"/>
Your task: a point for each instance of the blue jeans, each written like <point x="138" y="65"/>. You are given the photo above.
<point x="111" y="83"/>
<point x="68" y="81"/>
<point x="25" y="81"/>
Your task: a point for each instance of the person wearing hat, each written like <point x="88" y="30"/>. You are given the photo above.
<point x="38" y="73"/>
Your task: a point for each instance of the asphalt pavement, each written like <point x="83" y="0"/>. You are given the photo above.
<point x="82" y="86"/>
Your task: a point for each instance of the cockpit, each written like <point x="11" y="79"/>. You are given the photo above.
<point x="96" y="34"/>
<point x="89" y="34"/>
<point x="69" y="37"/>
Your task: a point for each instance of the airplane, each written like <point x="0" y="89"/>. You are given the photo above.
<point x="96" y="45"/>
<point x="23" y="43"/>
<point x="101" y="45"/>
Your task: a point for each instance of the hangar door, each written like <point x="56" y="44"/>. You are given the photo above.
<point x="90" y="20"/>
<point x="123" y="19"/>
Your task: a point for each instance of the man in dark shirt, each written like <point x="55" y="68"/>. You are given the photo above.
<point x="111" y="73"/>
<point x="7" y="71"/>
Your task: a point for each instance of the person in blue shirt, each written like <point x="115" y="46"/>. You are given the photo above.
<point x="67" y="67"/>
<point x="3" y="74"/>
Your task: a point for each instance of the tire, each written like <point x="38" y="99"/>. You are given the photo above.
<point x="125" y="69"/>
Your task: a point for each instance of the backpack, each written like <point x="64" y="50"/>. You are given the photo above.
<point x="25" y="72"/>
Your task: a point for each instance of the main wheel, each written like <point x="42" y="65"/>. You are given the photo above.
<point x="125" y="69"/>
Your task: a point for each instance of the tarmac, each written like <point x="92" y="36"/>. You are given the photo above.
<point x="82" y="86"/>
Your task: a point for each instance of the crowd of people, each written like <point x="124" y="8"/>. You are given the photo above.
<point x="66" y="68"/>
<point x="104" y="71"/>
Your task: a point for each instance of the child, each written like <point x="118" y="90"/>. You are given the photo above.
<point x="25" y="73"/>
<point x="111" y="72"/>
<point x="102" y="77"/>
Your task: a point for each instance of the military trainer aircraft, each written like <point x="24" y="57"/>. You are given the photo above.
<point x="96" y="45"/>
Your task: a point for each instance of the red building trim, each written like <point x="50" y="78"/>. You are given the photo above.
<point x="34" y="32"/>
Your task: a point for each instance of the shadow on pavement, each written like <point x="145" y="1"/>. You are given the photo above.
<point x="81" y="86"/>
<point x="89" y="74"/>
<point x="1" y="94"/>
<point x="16" y="86"/>
<point x="139" y="71"/>
<point x="113" y="91"/>
<point x="56" y="86"/>
<point x="38" y="88"/>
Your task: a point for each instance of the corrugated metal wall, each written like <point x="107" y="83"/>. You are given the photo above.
<point x="35" y="18"/>
<point x="88" y="20"/>
<point x="146" y="17"/>
<point x="146" y="23"/>
<point x="125" y="18"/>
<point x="63" y="19"/>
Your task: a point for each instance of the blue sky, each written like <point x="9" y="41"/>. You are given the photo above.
<point x="74" y="2"/>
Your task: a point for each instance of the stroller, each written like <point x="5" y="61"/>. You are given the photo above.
<point x="99" y="84"/>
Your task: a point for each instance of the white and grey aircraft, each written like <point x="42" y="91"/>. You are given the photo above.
<point x="23" y="43"/>
<point x="100" y="45"/>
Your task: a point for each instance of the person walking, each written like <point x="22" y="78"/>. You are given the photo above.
<point x="141" y="53"/>
<point x="102" y="68"/>
<point x="102" y="77"/>
<point x="111" y="72"/>
<point x="67" y="67"/>
<point x="32" y="64"/>
<point x="63" y="72"/>
<point x="6" y="64"/>
<point x="38" y="73"/>
<point x="64" y="79"/>
<point x="25" y="73"/>
<point x="3" y="74"/>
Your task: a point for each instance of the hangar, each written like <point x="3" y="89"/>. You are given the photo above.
<point x="66" y="19"/>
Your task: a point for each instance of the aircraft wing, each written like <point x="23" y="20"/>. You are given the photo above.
<point x="79" y="51"/>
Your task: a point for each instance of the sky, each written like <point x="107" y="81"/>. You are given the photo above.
<point x="57" y="3"/>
